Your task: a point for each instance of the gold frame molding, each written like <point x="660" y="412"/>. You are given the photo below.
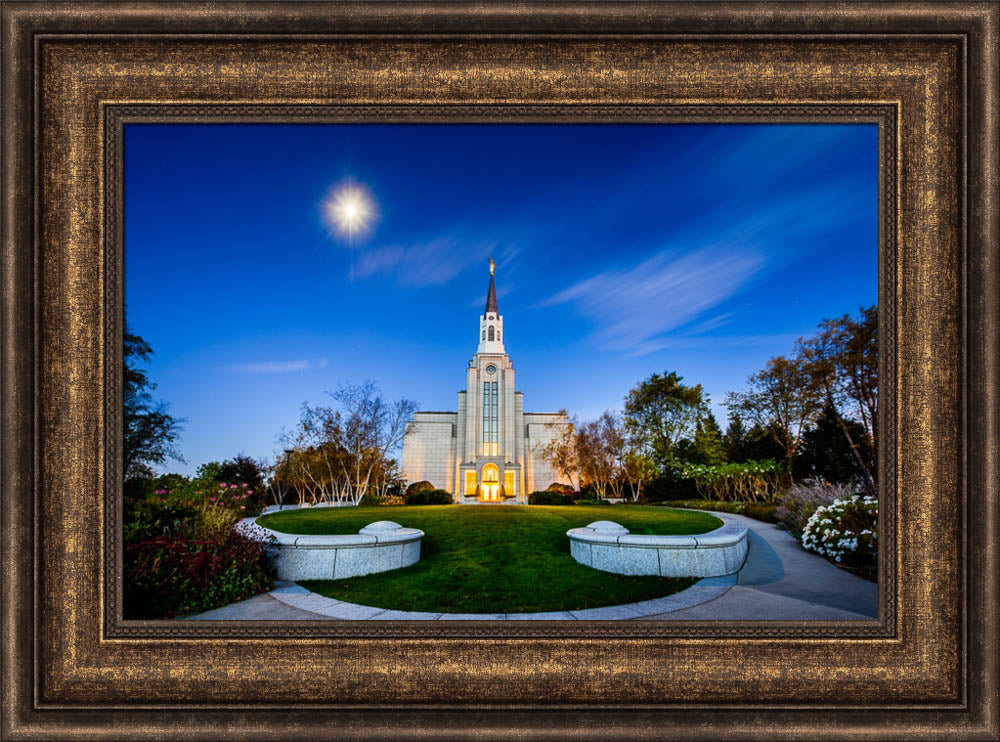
<point x="73" y="74"/>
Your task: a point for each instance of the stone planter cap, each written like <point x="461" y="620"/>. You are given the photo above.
<point x="380" y="526"/>
<point x="607" y="526"/>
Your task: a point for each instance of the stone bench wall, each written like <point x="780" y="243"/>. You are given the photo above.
<point x="378" y="547"/>
<point x="610" y="547"/>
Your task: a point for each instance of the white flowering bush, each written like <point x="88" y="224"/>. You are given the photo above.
<point x="846" y="533"/>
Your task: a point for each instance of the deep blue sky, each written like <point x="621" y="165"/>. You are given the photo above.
<point x="621" y="250"/>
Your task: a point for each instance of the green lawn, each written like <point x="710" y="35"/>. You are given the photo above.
<point x="494" y="559"/>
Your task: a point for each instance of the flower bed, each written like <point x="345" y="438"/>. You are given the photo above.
<point x="168" y="576"/>
<point x="182" y="554"/>
<point x="846" y="533"/>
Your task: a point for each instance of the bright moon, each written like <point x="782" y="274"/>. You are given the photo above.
<point x="349" y="210"/>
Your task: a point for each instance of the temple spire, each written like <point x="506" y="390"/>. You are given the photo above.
<point x="491" y="296"/>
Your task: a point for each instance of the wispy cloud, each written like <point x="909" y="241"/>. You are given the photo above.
<point x="630" y="308"/>
<point x="432" y="263"/>
<point x="639" y="310"/>
<point x="276" y="367"/>
<point x="712" y="323"/>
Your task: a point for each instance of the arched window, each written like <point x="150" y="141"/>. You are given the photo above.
<point x="491" y="332"/>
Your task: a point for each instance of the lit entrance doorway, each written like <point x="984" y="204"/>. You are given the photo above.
<point x="490" y="483"/>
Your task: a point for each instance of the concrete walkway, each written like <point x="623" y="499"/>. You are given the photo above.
<point x="780" y="581"/>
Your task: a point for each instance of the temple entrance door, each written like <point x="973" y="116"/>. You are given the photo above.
<point x="491" y="483"/>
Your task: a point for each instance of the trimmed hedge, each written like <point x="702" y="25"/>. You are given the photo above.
<point x="762" y="511"/>
<point x="423" y="486"/>
<point x="430" y="497"/>
<point x="546" y="497"/>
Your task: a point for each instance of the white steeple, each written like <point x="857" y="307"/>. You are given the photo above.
<point x="490" y="322"/>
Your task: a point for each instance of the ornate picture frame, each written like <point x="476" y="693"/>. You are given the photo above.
<point x="74" y="74"/>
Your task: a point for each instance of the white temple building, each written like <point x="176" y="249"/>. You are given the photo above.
<point x="490" y="449"/>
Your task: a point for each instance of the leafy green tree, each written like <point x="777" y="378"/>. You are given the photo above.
<point x="209" y="470"/>
<point x="762" y="443"/>
<point x="667" y="411"/>
<point x="827" y="453"/>
<point x="562" y="452"/>
<point x="781" y="399"/>
<point x="150" y="433"/>
<point x="707" y="447"/>
<point x="241" y="469"/>
<point x="735" y="440"/>
<point x="843" y="362"/>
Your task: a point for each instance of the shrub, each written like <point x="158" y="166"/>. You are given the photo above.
<point x="561" y="488"/>
<point x="546" y="497"/>
<point x="430" y="497"/>
<point x="800" y="501"/>
<point x="671" y="485"/>
<point x="846" y="533"/>
<point x="597" y="501"/>
<point x="748" y="481"/>
<point x="182" y="552"/>
<point x="168" y="576"/>
<point x="422" y="486"/>
<point x="762" y="511"/>
<point x="158" y="517"/>
<point x="383" y="500"/>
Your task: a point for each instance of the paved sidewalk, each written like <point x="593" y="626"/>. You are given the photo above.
<point x="780" y="581"/>
<point x="263" y="607"/>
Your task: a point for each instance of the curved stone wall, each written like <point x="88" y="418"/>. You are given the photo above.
<point x="610" y="547"/>
<point x="378" y="547"/>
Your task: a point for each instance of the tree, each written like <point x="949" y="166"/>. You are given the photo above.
<point x="372" y="429"/>
<point x="561" y="452"/>
<point x="843" y="361"/>
<point x="343" y="453"/>
<point x="707" y="447"/>
<point x="782" y="400"/>
<point x="638" y="469"/>
<point x="611" y="457"/>
<point x="239" y="469"/>
<point x="597" y="465"/>
<point x="667" y="411"/>
<point x="614" y="442"/>
<point x="827" y="453"/>
<point x="735" y="441"/>
<point x="637" y="464"/>
<point x="150" y="433"/>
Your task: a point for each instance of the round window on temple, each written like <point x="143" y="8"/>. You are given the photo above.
<point x="491" y="369"/>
